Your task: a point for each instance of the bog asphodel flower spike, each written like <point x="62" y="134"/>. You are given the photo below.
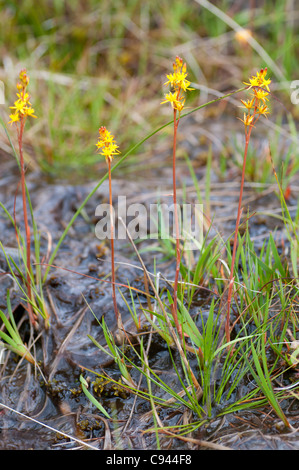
<point x="179" y="85"/>
<point x="22" y="106"/>
<point x="260" y="80"/>
<point x="107" y="147"/>
<point x="255" y="107"/>
<point x="106" y="144"/>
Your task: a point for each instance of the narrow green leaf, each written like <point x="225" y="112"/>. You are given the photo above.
<point x="93" y="400"/>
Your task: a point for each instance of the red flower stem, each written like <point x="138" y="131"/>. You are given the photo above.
<point x="112" y="245"/>
<point x="231" y="279"/>
<point x="32" y="316"/>
<point x="178" y="254"/>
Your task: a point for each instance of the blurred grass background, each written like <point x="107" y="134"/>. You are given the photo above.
<point x="97" y="62"/>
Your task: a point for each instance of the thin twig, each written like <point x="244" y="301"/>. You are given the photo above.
<point x="68" y="436"/>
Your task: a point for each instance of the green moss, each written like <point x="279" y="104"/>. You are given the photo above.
<point x="108" y="389"/>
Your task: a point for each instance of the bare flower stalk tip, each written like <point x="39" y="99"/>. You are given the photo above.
<point x="255" y="107"/>
<point x="22" y="109"/>
<point x="176" y="97"/>
<point x="107" y="147"/>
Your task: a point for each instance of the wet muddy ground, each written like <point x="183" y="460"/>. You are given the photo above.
<point x="50" y="393"/>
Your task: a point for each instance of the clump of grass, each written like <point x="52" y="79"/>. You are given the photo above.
<point x="221" y="374"/>
<point x="11" y="338"/>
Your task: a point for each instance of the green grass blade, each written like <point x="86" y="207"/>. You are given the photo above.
<point x="93" y="400"/>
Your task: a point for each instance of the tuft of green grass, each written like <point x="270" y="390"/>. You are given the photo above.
<point x="11" y="338"/>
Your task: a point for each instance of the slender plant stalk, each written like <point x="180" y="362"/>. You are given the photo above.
<point x="32" y="316"/>
<point x="179" y="84"/>
<point x="112" y="244"/>
<point x="177" y="234"/>
<point x="255" y="107"/>
<point x="231" y="278"/>
<point x="20" y="111"/>
<point x="107" y="146"/>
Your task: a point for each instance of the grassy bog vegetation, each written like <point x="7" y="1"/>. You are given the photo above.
<point x="225" y="314"/>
